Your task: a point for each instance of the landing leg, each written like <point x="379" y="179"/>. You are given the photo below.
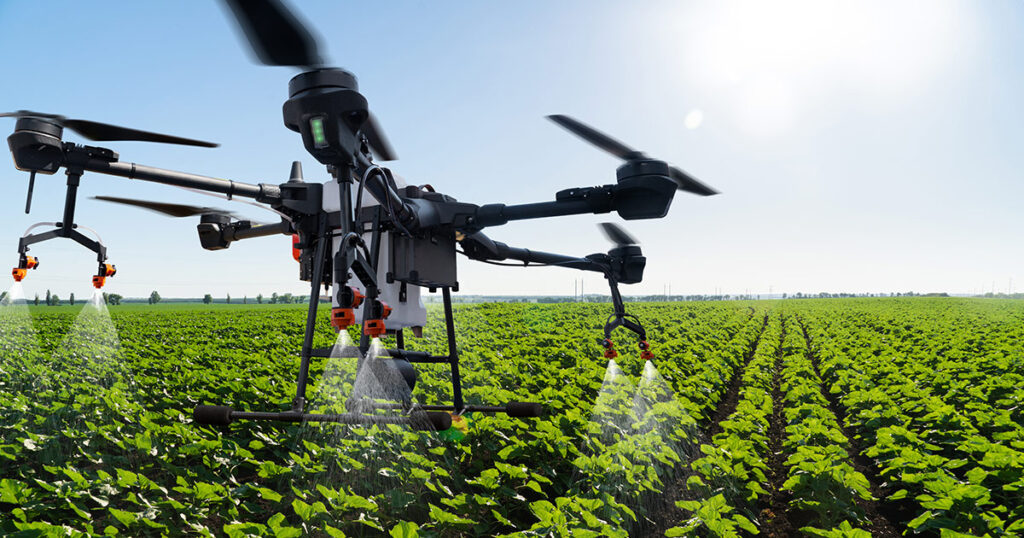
<point x="453" y="353"/>
<point x="299" y="403"/>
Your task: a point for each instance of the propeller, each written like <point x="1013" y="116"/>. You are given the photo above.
<point x="173" y="210"/>
<point x="103" y="132"/>
<point x="616" y="234"/>
<point x="277" y="37"/>
<point x="684" y="181"/>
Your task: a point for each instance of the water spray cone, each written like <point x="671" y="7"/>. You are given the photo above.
<point x="382" y="379"/>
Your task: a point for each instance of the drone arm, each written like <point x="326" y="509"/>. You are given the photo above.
<point x="262" y="192"/>
<point x="479" y="247"/>
<point x="547" y="258"/>
<point x="568" y="202"/>
<point x="644" y="196"/>
<point x="259" y="230"/>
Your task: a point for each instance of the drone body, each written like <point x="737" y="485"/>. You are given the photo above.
<point x="374" y="243"/>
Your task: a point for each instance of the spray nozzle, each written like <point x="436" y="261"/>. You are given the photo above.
<point x="343" y="316"/>
<point x="645" y="350"/>
<point x="609" y="349"/>
<point x="24" y="264"/>
<point x="374" y="327"/>
<point x="379" y="311"/>
<point x="105" y="271"/>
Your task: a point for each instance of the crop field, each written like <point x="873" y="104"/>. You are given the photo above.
<point x="847" y="417"/>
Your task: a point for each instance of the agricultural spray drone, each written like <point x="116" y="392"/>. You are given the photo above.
<point x="368" y="238"/>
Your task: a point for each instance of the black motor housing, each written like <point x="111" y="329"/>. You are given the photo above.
<point x="644" y="190"/>
<point x="36" y="145"/>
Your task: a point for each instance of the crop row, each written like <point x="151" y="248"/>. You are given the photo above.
<point x="946" y="464"/>
<point x="733" y="486"/>
<point x="732" y="476"/>
<point x="826" y="490"/>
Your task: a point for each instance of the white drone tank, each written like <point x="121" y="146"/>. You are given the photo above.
<point x="408" y="314"/>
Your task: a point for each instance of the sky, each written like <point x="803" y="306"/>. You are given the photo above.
<point x="858" y="147"/>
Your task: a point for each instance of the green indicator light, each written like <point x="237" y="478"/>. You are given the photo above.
<point x="316" y="125"/>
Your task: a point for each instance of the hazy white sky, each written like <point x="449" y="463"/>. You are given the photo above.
<point x="858" y="146"/>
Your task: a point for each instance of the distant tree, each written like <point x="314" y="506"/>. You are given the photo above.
<point x="229" y="298"/>
<point x="154" y="297"/>
<point x="37" y="299"/>
<point x="207" y="299"/>
<point x="273" y="298"/>
<point x="49" y="302"/>
<point x="3" y="296"/>
<point x="71" y="299"/>
<point x="286" y="299"/>
<point x="259" y="298"/>
<point x="54" y="300"/>
<point x="245" y="299"/>
<point x="115" y="299"/>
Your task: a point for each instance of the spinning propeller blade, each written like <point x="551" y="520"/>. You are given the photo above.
<point x="596" y="137"/>
<point x="378" y="142"/>
<point x="173" y="210"/>
<point x="105" y="132"/>
<point x="684" y="181"/>
<point x="616" y="234"/>
<point x="276" y="35"/>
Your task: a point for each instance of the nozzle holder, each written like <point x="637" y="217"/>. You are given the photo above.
<point x="350" y="297"/>
<point x="379" y="309"/>
<point x="105" y="271"/>
<point x="24" y="264"/>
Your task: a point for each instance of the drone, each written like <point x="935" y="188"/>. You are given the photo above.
<point x="373" y="242"/>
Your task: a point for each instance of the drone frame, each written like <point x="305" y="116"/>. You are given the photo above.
<point x="338" y="129"/>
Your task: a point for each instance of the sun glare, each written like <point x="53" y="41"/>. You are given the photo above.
<point x="770" y="60"/>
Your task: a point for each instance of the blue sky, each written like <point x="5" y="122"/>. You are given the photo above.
<point x="867" y="147"/>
